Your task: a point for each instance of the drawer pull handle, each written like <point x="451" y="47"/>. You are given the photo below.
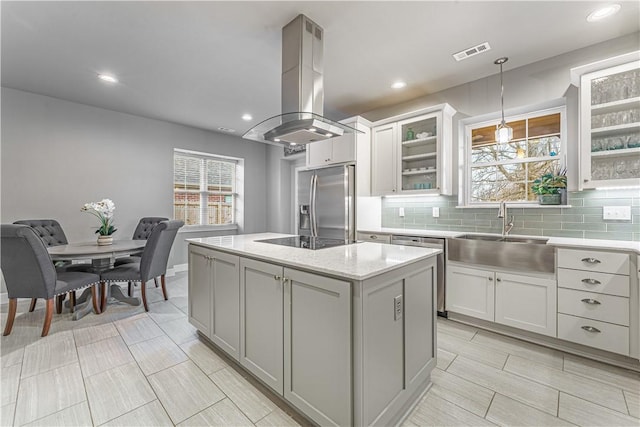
<point x="591" y="301"/>
<point x="591" y="260"/>
<point x="591" y="329"/>
<point x="591" y="281"/>
<point x="374" y="237"/>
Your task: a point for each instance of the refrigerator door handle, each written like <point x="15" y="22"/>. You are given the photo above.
<point x="312" y="197"/>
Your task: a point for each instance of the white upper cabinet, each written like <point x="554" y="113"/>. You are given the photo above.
<point x="412" y="153"/>
<point x="610" y="126"/>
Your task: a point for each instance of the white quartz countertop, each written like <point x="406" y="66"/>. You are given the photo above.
<point x="358" y="261"/>
<point x="568" y="242"/>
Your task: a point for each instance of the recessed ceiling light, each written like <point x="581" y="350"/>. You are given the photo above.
<point x="276" y="139"/>
<point x="329" y="135"/>
<point x="107" y="78"/>
<point x="312" y="129"/>
<point x="292" y="143"/>
<point x="247" y="117"/>
<point x="224" y="129"/>
<point x="603" y="12"/>
<point x="398" y="85"/>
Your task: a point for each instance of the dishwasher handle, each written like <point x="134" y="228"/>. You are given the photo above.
<point x="425" y="242"/>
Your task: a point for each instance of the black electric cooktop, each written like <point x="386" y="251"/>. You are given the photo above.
<point x="307" y="242"/>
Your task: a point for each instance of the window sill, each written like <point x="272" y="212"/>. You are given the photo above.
<point x="205" y="228"/>
<point x="514" y="205"/>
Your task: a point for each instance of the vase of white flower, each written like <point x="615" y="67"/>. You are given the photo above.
<point x="103" y="210"/>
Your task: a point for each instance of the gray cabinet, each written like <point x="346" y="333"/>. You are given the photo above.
<point x="261" y="321"/>
<point x="398" y="333"/>
<point x="214" y="297"/>
<point x="317" y="346"/>
<point x="199" y="307"/>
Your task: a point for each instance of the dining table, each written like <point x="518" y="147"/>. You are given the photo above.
<point x="103" y="257"/>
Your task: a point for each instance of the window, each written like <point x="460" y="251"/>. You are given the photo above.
<point x="505" y="172"/>
<point x="204" y="188"/>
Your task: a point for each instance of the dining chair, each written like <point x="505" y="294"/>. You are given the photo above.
<point x="142" y="232"/>
<point x="29" y="273"/>
<point x="52" y="234"/>
<point x="153" y="262"/>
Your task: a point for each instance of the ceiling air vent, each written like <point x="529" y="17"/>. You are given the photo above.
<point x="472" y="51"/>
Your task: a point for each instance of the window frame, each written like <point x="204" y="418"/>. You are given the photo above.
<point x="466" y="164"/>
<point x="203" y="192"/>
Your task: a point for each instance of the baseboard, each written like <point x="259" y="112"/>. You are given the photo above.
<point x="177" y="269"/>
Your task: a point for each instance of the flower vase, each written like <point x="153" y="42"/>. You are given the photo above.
<point x="105" y="240"/>
<point x="549" y="199"/>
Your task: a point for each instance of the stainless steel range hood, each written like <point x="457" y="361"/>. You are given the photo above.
<point x="301" y="121"/>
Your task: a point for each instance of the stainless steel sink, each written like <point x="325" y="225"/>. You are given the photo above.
<point x="514" y="239"/>
<point x="514" y="253"/>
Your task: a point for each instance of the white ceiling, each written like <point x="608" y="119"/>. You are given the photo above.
<point x="204" y="64"/>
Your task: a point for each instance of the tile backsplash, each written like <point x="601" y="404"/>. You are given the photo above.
<point x="583" y="219"/>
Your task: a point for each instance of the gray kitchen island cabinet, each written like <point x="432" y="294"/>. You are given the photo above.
<point x="343" y="345"/>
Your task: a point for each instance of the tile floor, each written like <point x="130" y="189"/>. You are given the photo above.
<point x="129" y="368"/>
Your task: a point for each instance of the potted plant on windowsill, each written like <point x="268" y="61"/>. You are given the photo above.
<point x="550" y="186"/>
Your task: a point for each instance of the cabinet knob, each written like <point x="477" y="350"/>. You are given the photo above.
<point x="590" y="301"/>
<point x="591" y="260"/>
<point x="276" y="277"/>
<point x="490" y="279"/>
<point x="591" y="329"/>
<point x="373" y="237"/>
<point x="285" y="279"/>
<point x="591" y="281"/>
<point x="498" y="280"/>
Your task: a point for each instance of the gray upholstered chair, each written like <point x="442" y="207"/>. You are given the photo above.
<point x="142" y="232"/>
<point x="30" y="273"/>
<point x="52" y="234"/>
<point x="153" y="262"/>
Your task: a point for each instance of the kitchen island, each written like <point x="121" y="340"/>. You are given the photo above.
<point x="346" y="335"/>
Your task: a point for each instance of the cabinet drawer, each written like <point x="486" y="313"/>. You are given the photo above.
<point x="590" y="260"/>
<point x="592" y="281"/>
<point x="589" y="305"/>
<point x="375" y="237"/>
<point x="593" y="333"/>
<point x="601" y="307"/>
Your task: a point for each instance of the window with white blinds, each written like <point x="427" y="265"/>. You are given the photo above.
<point x="204" y="189"/>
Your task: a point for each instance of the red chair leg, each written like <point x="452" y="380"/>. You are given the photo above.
<point x="155" y="280"/>
<point x="143" y="286"/>
<point x="103" y="296"/>
<point x="164" y="288"/>
<point x="72" y="301"/>
<point x="59" y="299"/>
<point x="33" y="304"/>
<point x="47" y="317"/>
<point x="94" y="300"/>
<point x="13" y="305"/>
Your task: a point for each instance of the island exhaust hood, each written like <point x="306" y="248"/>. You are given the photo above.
<point x="301" y="121"/>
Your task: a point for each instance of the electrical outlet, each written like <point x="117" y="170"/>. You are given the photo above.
<point x="620" y="213"/>
<point x="435" y="212"/>
<point x="401" y="212"/>
<point x="397" y="308"/>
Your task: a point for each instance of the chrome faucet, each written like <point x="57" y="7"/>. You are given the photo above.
<point x="502" y="213"/>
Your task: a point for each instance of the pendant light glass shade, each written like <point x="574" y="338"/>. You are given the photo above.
<point x="503" y="133"/>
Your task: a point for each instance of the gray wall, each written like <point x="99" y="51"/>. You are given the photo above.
<point x="58" y="155"/>
<point x="280" y="189"/>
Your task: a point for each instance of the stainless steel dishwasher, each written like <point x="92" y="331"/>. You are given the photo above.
<point x="429" y="242"/>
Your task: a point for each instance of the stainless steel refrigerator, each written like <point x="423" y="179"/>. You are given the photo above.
<point x="326" y="204"/>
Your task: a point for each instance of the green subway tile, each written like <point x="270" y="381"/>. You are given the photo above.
<point x="448" y="221"/>
<point x="588" y="194"/>
<point x="534" y="224"/>
<point x="527" y="231"/>
<point x="563" y="233"/>
<point x="488" y="230"/>
<point x="583" y="226"/>
<point x="607" y="235"/>
<point x="469" y="229"/>
<point x="636" y="219"/>
<point x="485" y="217"/>
<point x="454" y="215"/>
<point x="575" y="202"/>
<point x="636" y="236"/>
<point x="474" y="223"/>
<point x="593" y="218"/>
<point x="563" y="218"/>
<point x="531" y="217"/>
<point x="635" y="211"/>
<point x="629" y="228"/>
<point x="621" y="193"/>
<point x="608" y="202"/>
<point x="586" y="211"/>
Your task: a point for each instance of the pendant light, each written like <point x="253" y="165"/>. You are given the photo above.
<point x="504" y="133"/>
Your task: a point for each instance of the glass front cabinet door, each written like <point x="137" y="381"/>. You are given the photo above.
<point x="610" y="126"/>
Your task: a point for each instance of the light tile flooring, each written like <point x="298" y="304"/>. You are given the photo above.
<point x="129" y="368"/>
